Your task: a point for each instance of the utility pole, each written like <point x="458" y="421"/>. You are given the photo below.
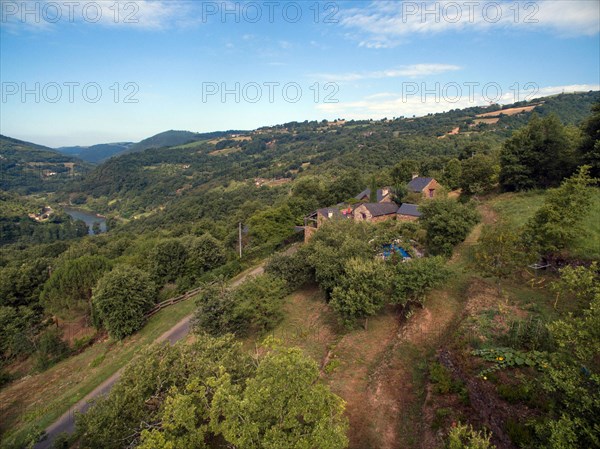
<point x="240" y="237"/>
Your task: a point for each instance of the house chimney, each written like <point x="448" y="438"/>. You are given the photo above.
<point x="415" y="175"/>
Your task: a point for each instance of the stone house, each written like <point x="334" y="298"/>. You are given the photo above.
<point x="375" y="212"/>
<point x="408" y="212"/>
<point x="428" y="187"/>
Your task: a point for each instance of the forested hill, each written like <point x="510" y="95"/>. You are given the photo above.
<point x="26" y="167"/>
<point x="96" y="153"/>
<point x="143" y="181"/>
<point x="172" y="138"/>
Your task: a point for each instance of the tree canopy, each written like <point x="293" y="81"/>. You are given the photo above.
<point x="121" y="299"/>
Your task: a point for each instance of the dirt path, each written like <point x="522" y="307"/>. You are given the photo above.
<point x="378" y="382"/>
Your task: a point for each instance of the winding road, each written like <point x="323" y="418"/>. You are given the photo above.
<point x="66" y="423"/>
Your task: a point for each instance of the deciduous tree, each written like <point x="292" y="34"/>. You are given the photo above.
<point x="121" y="299"/>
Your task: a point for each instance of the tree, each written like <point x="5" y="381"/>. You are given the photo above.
<point x="121" y="299"/>
<point x="70" y="285"/>
<point x="500" y="251"/>
<point x="362" y="290"/>
<point x="168" y="260"/>
<point x="271" y="226"/>
<point x="204" y="254"/>
<point x="572" y="378"/>
<point x="150" y="401"/>
<point x="253" y="306"/>
<point x="452" y="174"/>
<point x="403" y="171"/>
<point x="282" y="406"/>
<point x="411" y="281"/>
<point x="447" y="223"/>
<point x="540" y="155"/>
<point x="346" y="186"/>
<point x="557" y="223"/>
<point x="589" y="149"/>
<point x="333" y="245"/>
<point x="479" y="174"/>
<point x="294" y="269"/>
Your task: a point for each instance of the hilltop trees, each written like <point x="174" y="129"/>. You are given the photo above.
<point x="538" y="156"/>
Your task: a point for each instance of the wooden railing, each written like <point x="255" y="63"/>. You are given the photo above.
<point x="169" y="302"/>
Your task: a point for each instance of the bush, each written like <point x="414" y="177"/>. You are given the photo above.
<point x="252" y="307"/>
<point x="447" y="223"/>
<point x="51" y="349"/>
<point x="465" y="437"/>
<point x="520" y="434"/>
<point x="293" y="269"/>
<point x="439" y="375"/>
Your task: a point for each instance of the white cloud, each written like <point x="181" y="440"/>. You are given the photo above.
<point x="388" y="104"/>
<point x="385" y="24"/>
<point x="141" y="14"/>
<point x="408" y="71"/>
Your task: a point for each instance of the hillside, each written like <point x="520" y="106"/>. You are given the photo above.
<point x="143" y="181"/>
<point x="418" y="324"/>
<point x="26" y="167"/>
<point x="172" y="138"/>
<point x="96" y="153"/>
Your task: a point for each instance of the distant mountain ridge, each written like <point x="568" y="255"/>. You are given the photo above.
<point x="101" y="152"/>
<point x="28" y="167"/>
<point x="96" y="153"/>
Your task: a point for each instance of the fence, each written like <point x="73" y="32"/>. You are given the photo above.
<point x="171" y="301"/>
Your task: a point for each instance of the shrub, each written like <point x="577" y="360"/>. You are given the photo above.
<point x="50" y="349"/>
<point x="465" y="437"/>
<point x="447" y="223"/>
<point x="293" y="269"/>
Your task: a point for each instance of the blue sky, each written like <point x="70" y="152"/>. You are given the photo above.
<point x="87" y="72"/>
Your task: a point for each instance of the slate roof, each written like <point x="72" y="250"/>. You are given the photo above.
<point x="367" y="194"/>
<point x="363" y="194"/>
<point x="326" y="210"/>
<point x="379" y="209"/>
<point x="409" y="209"/>
<point x="418" y="184"/>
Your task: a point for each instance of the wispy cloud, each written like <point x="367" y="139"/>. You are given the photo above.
<point x="393" y="104"/>
<point x="384" y="24"/>
<point x="408" y="71"/>
<point x="45" y="15"/>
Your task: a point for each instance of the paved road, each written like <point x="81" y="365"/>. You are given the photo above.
<point x="66" y="423"/>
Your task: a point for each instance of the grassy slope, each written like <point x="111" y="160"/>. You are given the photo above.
<point x="38" y="400"/>
<point x="519" y="207"/>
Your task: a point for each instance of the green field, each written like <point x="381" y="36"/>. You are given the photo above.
<point x="517" y="208"/>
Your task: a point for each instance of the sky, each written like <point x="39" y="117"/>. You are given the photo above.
<point x="85" y="72"/>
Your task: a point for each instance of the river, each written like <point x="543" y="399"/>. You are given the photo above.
<point x="88" y="217"/>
